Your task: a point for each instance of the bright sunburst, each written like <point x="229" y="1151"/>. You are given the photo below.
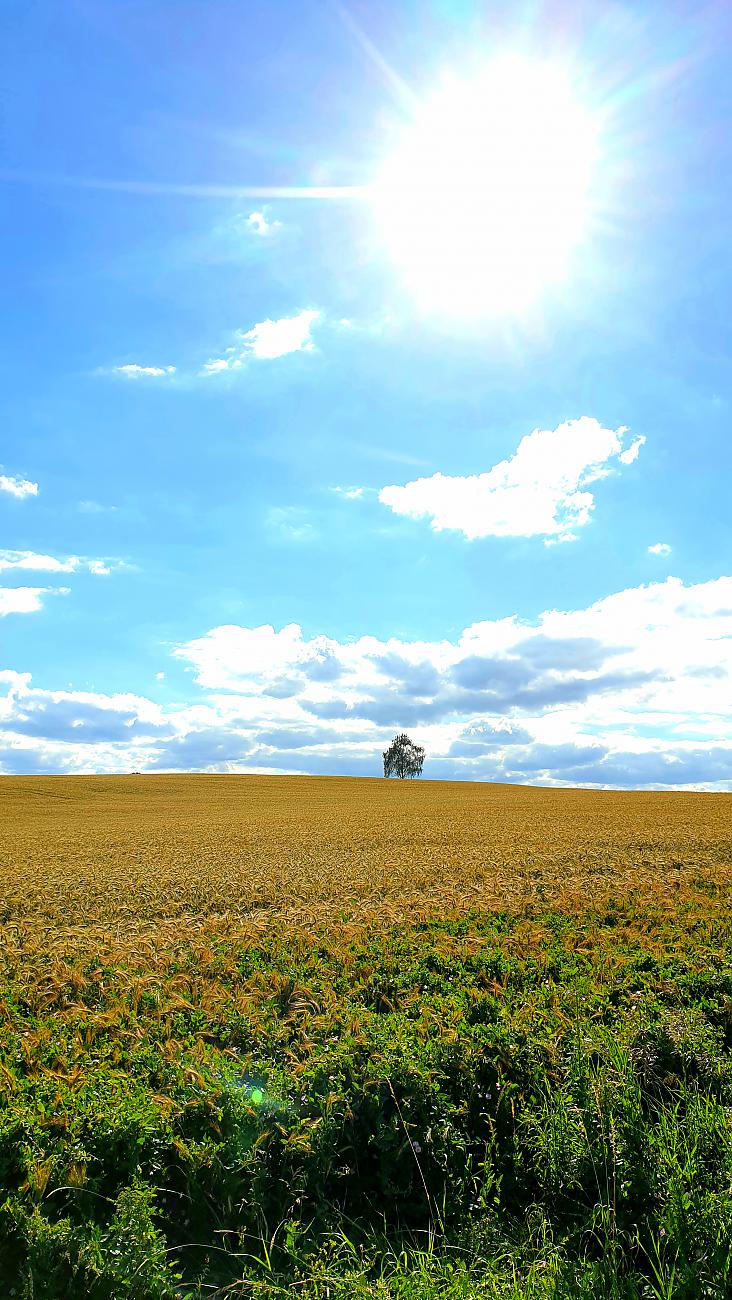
<point x="488" y="190"/>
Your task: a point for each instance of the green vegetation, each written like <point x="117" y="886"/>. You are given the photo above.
<point x="403" y="758"/>
<point x="479" y="1103"/>
<point x="467" y="1108"/>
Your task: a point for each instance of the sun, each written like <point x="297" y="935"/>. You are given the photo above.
<point x="488" y="190"/>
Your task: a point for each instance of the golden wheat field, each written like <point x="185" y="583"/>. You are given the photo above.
<point x="117" y="857"/>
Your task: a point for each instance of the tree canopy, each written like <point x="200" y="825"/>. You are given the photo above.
<point x="403" y="758"/>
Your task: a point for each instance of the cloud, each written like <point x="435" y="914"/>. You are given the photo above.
<point x="242" y="658"/>
<point x="18" y="487"/>
<point x="349" y="493"/>
<point x="289" y="738"/>
<point x="652" y="663"/>
<point x="579" y="652"/>
<point x="554" y="759"/>
<point x="25" y="600"/>
<point x="259" y="224"/>
<point x="268" y="340"/>
<point x="480" y="738"/>
<point x="218" y="748"/>
<point x="540" y="491"/>
<point x="497" y="674"/>
<point x="633" y="690"/>
<point x="323" y="667"/>
<point x="29" y="560"/>
<point x="666" y="634"/>
<point x="83" y="719"/>
<point x="290" y="524"/>
<point x="96" y="508"/>
<point x="142" y="372"/>
<point x="632" y="452"/>
<point x="659" y="548"/>
<point x="420" y="679"/>
<point x="76" y="731"/>
<point x="275" y="338"/>
<point x="693" y="765"/>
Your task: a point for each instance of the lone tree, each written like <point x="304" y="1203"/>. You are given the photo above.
<point x="403" y="758"/>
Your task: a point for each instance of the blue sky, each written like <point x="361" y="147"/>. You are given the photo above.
<point x="271" y="488"/>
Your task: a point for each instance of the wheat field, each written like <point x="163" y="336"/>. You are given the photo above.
<point x="251" y="999"/>
<point x="144" y="850"/>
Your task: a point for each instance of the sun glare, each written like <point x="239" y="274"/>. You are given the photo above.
<point x="488" y="190"/>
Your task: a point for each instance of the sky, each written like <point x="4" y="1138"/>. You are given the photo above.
<point x="366" y="368"/>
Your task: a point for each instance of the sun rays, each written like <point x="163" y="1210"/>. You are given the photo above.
<point x="488" y="190"/>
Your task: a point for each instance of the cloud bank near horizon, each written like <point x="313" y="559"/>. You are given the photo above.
<point x="634" y="690"/>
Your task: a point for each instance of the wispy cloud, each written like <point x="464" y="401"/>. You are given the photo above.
<point x="349" y="493"/>
<point x="290" y="523"/>
<point x="142" y="372"/>
<point x="311" y="193"/>
<point x="96" y="508"/>
<point x="659" y="548"/>
<point x="18" y="487"/>
<point x="374" y="452"/>
<point x="265" y="341"/>
<point x="30" y="560"/>
<point x="539" y="491"/>
<point x="268" y="340"/>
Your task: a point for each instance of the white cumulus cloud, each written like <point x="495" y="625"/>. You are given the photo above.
<point x="631" y="453"/>
<point x="25" y="600"/>
<point x="268" y="340"/>
<point x="260" y="224"/>
<point x="540" y="491"/>
<point x="659" y="548"/>
<point x="275" y="338"/>
<point x="18" y="487"/>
